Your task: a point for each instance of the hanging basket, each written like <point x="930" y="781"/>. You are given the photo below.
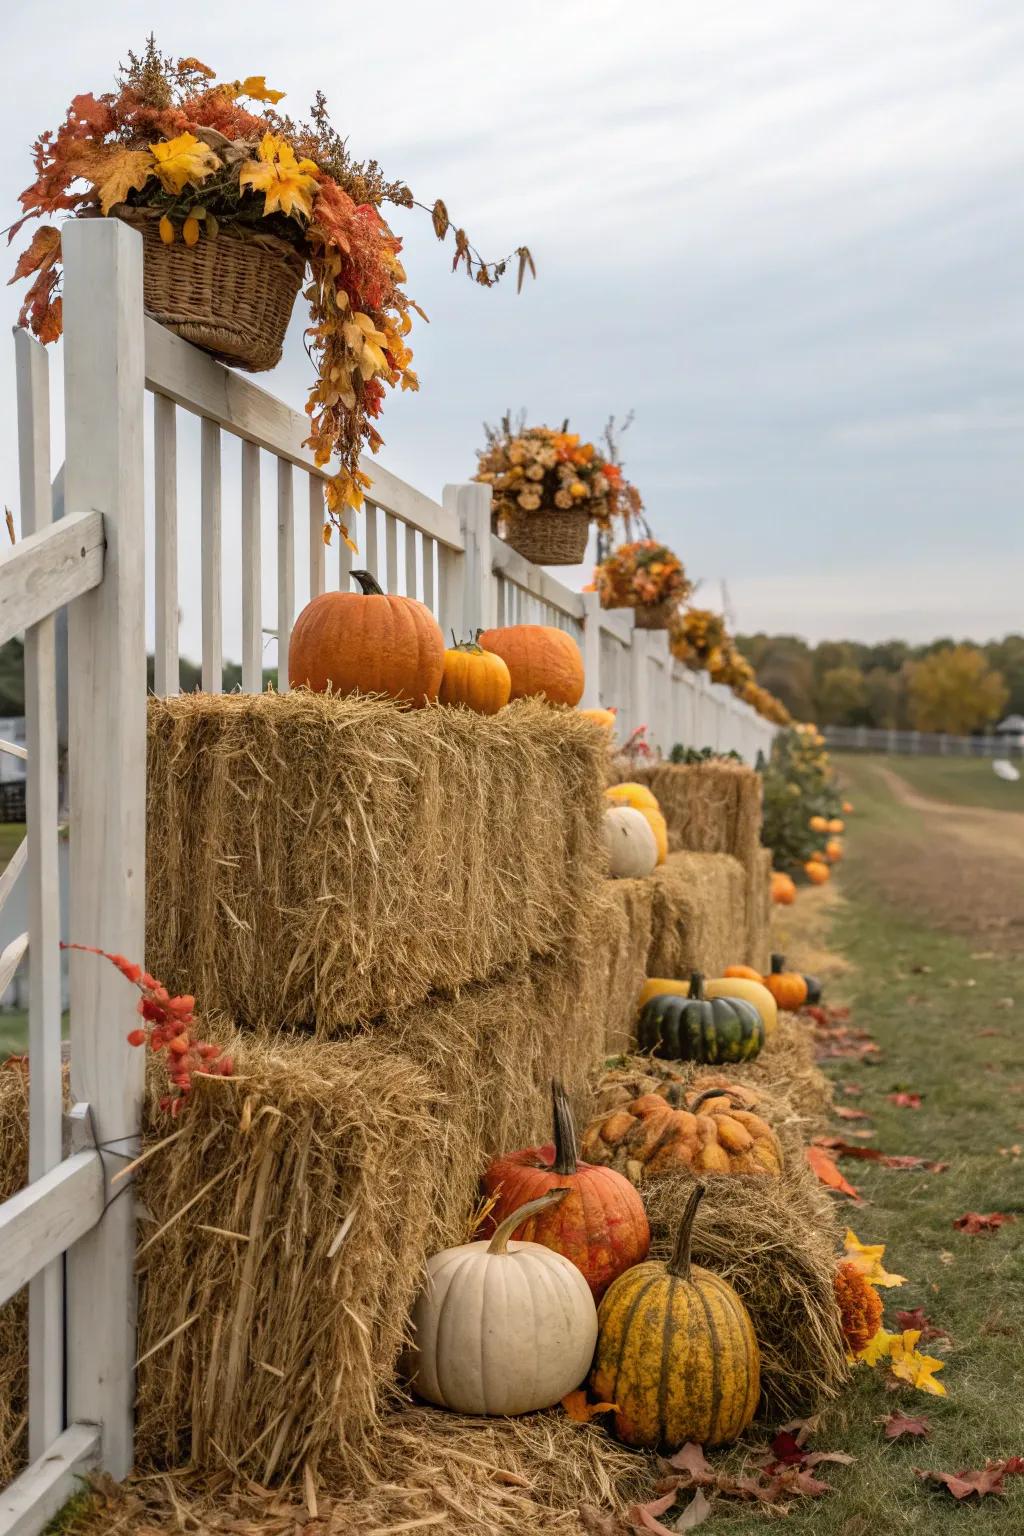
<point x="654" y="615"/>
<point x="232" y="296"/>
<point x="547" y="538"/>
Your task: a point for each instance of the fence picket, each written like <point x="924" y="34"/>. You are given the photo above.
<point x="252" y="571"/>
<point x="210" y="499"/>
<point x="165" y="563"/>
<point x="317" y="550"/>
<point x="285" y="569"/>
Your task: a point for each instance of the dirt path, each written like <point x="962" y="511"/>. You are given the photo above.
<point x="961" y="867"/>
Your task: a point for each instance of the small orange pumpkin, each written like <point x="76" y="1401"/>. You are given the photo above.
<point x="837" y="826"/>
<point x="474" y="677"/>
<point x="818" y="823"/>
<point x="543" y="661"/>
<point x="847" y="808"/>
<point x="833" y="850"/>
<point x="788" y="988"/>
<point x="783" y="890"/>
<point x="368" y="641"/>
<point x="817" y="872"/>
<point x="746" y="972"/>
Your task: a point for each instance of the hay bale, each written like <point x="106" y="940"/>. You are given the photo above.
<point x="759" y="911"/>
<point x="291" y="1344"/>
<point x="712" y="807"/>
<point x="775" y="1241"/>
<point x="699" y="914"/>
<point x="314" y="860"/>
<point x="14" y="1313"/>
<point x="617" y="964"/>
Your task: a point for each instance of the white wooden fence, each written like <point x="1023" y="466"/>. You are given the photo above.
<point x="69" y="1235"/>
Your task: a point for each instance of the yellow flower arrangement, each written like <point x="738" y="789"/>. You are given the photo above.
<point x="537" y="469"/>
<point x="641" y="574"/>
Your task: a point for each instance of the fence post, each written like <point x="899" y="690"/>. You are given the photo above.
<point x="591" y="650"/>
<point x="104" y="394"/>
<point x="638" y="678"/>
<point x="471" y="504"/>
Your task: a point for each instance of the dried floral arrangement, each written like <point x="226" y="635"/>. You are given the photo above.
<point x="536" y="469"/>
<point x="172" y="141"/>
<point x="699" y="638"/>
<point x="641" y="574"/>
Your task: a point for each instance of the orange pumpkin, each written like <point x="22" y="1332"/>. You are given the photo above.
<point x="788" y="988"/>
<point x="817" y="872"/>
<point x="837" y="826"/>
<point x="474" y="677"/>
<point x="783" y="890"/>
<point x="367" y="641"/>
<point x="605" y="717"/>
<point x="833" y="850"/>
<point x="818" y="823"/>
<point x="746" y="972"/>
<point x="600" y="1226"/>
<point x="847" y="808"/>
<point x="542" y="661"/>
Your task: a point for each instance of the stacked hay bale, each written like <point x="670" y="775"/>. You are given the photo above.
<point x="387" y="915"/>
<point x="714" y="808"/>
<point x="13" y="1313"/>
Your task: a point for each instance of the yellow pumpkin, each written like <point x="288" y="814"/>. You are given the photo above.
<point x="658" y="825"/>
<point x="636" y="795"/>
<point x="676" y="1352"/>
<point x="476" y="678"/>
<point x="605" y="717"/>
<point x="754" y="992"/>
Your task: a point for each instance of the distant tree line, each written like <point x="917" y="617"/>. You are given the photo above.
<point x="947" y="685"/>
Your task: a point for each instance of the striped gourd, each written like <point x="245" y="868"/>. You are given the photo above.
<point x="676" y="1352"/>
<point x="700" y="1028"/>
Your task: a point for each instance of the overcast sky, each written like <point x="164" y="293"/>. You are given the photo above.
<point x="789" y="236"/>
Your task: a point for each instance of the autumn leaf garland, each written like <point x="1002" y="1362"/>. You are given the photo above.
<point x="201" y="155"/>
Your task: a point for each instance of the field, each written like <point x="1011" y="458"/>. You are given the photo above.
<point x="955" y="780"/>
<point x="943" y="1000"/>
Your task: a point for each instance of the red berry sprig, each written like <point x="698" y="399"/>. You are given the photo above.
<point x="168" y="1026"/>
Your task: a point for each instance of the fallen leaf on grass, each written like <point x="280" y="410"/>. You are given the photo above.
<point x="580" y="1411"/>
<point x="909" y="1365"/>
<point x="695" y="1513"/>
<point x="787" y="1450"/>
<point x="1004" y="1002"/>
<point x="875" y="1155"/>
<point x="914" y="1317"/>
<point x="989" y="1480"/>
<point x="945" y="1257"/>
<point x="868" y="1259"/>
<point x="644" y="1517"/>
<point x="898" y="1426"/>
<point x="844" y="1112"/>
<point x="973" y="1222"/>
<point x="991" y="1034"/>
<point x="852" y="1090"/>
<point x="827" y="1172"/>
<point x="1014" y="1151"/>
<point x="905" y="1100"/>
<point x="690" y="1458"/>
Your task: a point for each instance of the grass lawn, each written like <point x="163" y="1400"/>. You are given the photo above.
<point x="936" y="1005"/>
<point x="959" y="780"/>
<point x="11" y="834"/>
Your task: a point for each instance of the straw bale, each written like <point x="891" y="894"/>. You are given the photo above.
<point x="314" y="860"/>
<point x="14" y="1313"/>
<point x="759" y="911"/>
<point x="617" y="965"/>
<point x="712" y="807"/>
<point x="288" y="1344"/>
<point x="429" y="1470"/>
<point x="699" y="914"/>
<point x="775" y="1241"/>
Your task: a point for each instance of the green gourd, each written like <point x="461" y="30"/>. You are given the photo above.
<point x="698" y="1028"/>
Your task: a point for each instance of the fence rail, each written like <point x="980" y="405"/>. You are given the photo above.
<point x="862" y="738"/>
<point x="70" y="1233"/>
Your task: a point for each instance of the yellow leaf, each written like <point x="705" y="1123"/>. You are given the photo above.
<point x="255" y="87"/>
<point x="182" y="160"/>
<point x="868" y="1259"/>
<point x="123" y="173"/>
<point x="908" y="1363"/>
<point x="289" y="184"/>
<point x="876" y="1348"/>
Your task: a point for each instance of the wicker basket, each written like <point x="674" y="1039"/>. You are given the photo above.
<point x="654" y="615"/>
<point x="232" y="296"/>
<point x="547" y="538"/>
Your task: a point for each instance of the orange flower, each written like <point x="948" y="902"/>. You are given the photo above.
<point x="860" y="1307"/>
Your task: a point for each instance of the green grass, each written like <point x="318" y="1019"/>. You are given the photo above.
<point x="960" y="780"/>
<point x="11" y="834"/>
<point x="930" y="1001"/>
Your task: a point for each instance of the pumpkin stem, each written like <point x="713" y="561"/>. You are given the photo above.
<point x="679" y="1263"/>
<point x="566" y="1147"/>
<point x="778" y="964"/>
<point x="697" y="987"/>
<point x="709" y="1093"/>
<point x="368" y="584"/>
<point x="499" y="1242"/>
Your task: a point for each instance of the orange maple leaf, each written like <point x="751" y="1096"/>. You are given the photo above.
<point x="42" y="252"/>
<point x="828" y="1173"/>
<point x="580" y="1411"/>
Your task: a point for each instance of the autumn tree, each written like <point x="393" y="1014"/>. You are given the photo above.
<point x="955" y="690"/>
<point x="840" y="697"/>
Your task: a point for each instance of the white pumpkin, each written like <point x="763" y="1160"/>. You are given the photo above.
<point x="630" y="843"/>
<point x="502" y="1327"/>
